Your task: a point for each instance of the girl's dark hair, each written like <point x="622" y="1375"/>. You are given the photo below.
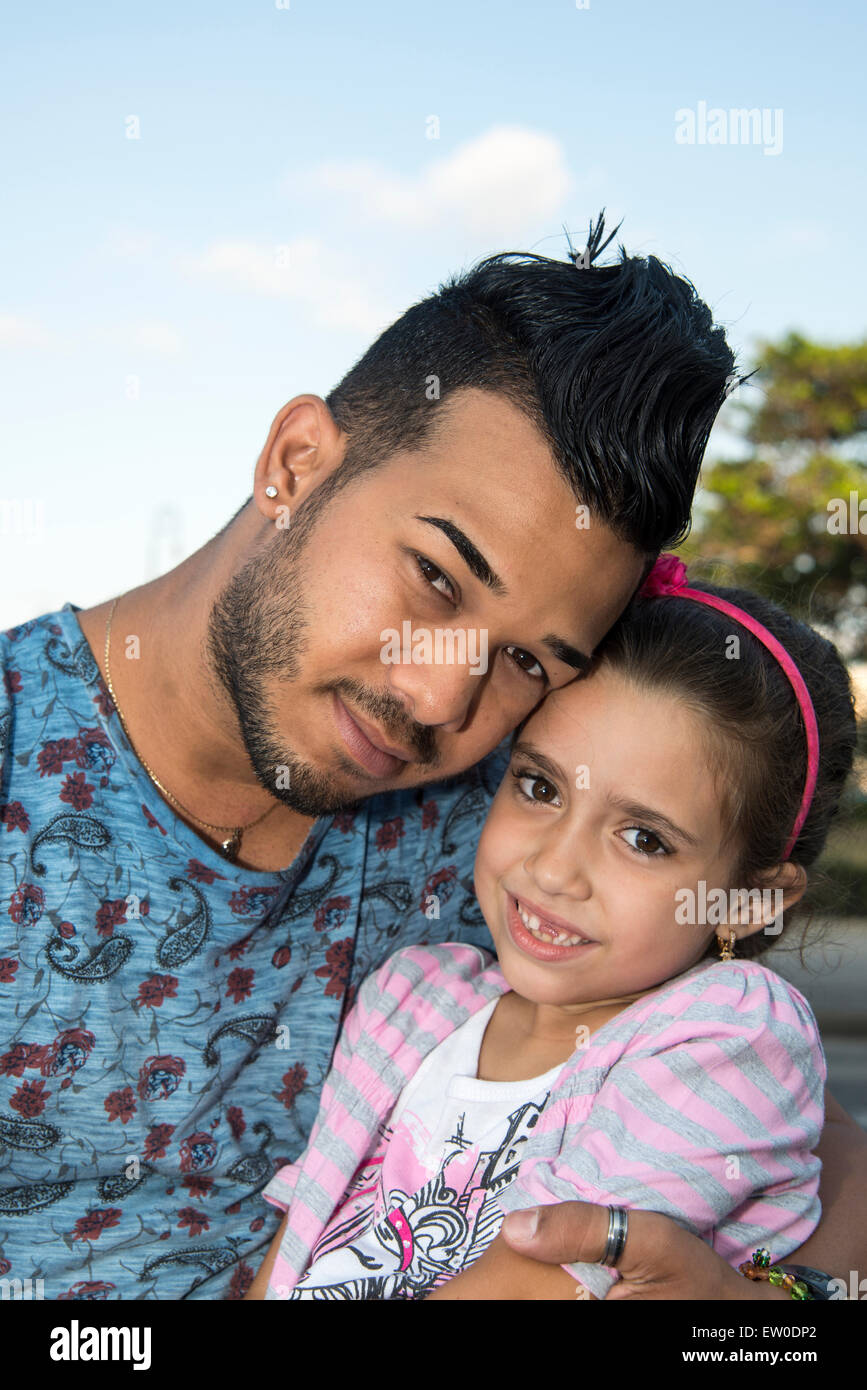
<point x="619" y="366"/>
<point x="756" y="737"/>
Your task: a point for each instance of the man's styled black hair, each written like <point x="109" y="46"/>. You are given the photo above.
<point x="620" y="367"/>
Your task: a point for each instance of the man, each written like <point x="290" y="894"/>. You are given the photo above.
<point x="226" y="800"/>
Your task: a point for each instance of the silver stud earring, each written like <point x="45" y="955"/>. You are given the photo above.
<point x="271" y="491"/>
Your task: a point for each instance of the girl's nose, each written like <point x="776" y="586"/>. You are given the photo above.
<point x="559" y="861"/>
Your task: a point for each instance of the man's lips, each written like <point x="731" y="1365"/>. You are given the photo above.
<point x="366" y="745"/>
<point x="530" y="945"/>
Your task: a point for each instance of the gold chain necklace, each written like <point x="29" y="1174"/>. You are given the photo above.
<point x="229" y="847"/>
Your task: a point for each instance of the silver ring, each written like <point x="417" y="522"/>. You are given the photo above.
<point x="618" y="1225"/>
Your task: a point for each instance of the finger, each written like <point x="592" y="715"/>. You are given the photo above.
<point x="564" y="1233"/>
<point x="621" y="1291"/>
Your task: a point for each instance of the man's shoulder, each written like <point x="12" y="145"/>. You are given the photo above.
<point x="58" y="622"/>
<point x="52" y="640"/>
<point x="42" y="659"/>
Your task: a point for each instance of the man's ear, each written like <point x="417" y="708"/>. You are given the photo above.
<point x="303" y="446"/>
<point x="761" y="907"/>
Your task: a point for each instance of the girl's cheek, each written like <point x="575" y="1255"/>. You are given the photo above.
<point x="499" y="848"/>
<point x="512" y="834"/>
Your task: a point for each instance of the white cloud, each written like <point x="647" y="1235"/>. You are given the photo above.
<point x="304" y="270"/>
<point x="491" y="186"/>
<point x="19" y="330"/>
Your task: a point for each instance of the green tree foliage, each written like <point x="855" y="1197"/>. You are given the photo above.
<point x="780" y="519"/>
<point x="789" y="518"/>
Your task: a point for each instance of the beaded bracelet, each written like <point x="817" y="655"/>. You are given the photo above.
<point x="760" y="1267"/>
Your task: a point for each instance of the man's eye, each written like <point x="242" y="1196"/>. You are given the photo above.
<point x="532" y="787"/>
<point x="526" y="662"/>
<point x="434" y="576"/>
<point x="648" y="844"/>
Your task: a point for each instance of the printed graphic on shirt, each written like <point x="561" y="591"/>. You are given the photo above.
<point x="404" y="1229"/>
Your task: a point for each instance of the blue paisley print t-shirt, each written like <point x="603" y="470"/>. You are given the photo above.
<point x="167" y="1018"/>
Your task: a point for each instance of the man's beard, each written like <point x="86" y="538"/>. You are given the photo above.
<point x="258" y="628"/>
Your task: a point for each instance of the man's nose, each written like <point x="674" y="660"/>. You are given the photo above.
<point x="436" y="694"/>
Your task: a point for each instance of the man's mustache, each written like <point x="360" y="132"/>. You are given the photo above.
<point x="389" y="716"/>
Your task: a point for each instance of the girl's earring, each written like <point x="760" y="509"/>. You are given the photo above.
<point x="271" y="491"/>
<point x="727" y="948"/>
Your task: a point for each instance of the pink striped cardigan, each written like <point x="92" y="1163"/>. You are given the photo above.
<point x="703" y="1100"/>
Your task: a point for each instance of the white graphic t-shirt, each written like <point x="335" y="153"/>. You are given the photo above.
<point x="424" y="1205"/>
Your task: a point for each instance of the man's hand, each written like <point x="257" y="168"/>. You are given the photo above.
<point x="660" y="1261"/>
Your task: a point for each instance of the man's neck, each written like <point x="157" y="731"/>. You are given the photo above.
<point x="179" y="719"/>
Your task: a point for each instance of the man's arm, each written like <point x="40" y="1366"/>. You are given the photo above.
<point x="502" y="1273"/>
<point x="839" y="1242"/>
<point x="663" y="1261"/>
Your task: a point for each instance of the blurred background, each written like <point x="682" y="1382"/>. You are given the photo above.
<point x="215" y="206"/>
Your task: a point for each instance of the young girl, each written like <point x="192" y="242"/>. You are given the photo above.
<point x="653" y="827"/>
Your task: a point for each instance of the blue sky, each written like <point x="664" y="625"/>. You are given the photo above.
<point x="162" y="297"/>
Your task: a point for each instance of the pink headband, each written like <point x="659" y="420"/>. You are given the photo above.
<point x="668" y="576"/>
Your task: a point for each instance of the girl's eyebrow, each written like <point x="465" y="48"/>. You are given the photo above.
<point x="646" y="813"/>
<point x="528" y="750"/>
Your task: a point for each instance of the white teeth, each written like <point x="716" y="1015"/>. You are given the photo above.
<point x="546" y="934"/>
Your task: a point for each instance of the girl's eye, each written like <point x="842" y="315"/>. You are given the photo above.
<point x="520" y="657"/>
<point x="532" y="787"/>
<point x="648" y="844"/>
<point x="434" y="577"/>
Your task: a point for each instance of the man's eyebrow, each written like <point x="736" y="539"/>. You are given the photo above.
<point x="469" y="553"/>
<point x="565" y="652"/>
<point x="655" y="818"/>
<point x="478" y="566"/>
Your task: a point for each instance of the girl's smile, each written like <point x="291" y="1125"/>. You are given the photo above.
<point x="543" y="936"/>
